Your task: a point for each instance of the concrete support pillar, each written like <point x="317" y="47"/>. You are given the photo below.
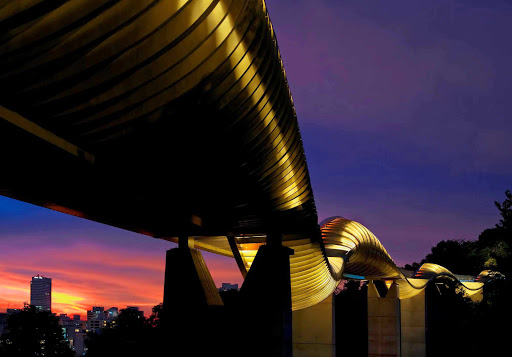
<point x="413" y="324"/>
<point x="314" y="330"/>
<point x="188" y="283"/>
<point x="266" y="302"/>
<point x="192" y="307"/>
<point x="383" y="322"/>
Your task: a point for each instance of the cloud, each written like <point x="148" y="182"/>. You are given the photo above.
<point x="89" y="273"/>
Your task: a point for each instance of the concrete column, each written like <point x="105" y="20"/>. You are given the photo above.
<point x="188" y="283"/>
<point x="267" y="304"/>
<point x="413" y="323"/>
<point x="192" y="307"/>
<point x="314" y="330"/>
<point x="383" y="322"/>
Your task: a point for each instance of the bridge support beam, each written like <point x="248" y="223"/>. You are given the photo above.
<point x="266" y="301"/>
<point x="188" y="283"/>
<point x="192" y="304"/>
<point x="413" y="323"/>
<point x="383" y="322"/>
<point x="314" y="330"/>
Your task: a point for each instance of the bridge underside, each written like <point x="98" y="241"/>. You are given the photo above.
<point x="162" y="117"/>
<point x="163" y="183"/>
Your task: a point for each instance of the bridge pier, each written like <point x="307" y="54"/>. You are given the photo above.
<point x="383" y="322"/>
<point x="188" y="283"/>
<point x="396" y="327"/>
<point x="266" y="301"/>
<point x="413" y="326"/>
<point x="192" y="307"/>
<point x="314" y="330"/>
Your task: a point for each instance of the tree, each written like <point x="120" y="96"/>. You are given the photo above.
<point x="154" y="319"/>
<point x="34" y="333"/>
<point x="132" y="335"/>
<point x="450" y="318"/>
<point x="130" y="319"/>
<point x="458" y="256"/>
<point x="491" y="251"/>
<point x="414" y="266"/>
<point x="505" y="209"/>
<point x="452" y="314"/>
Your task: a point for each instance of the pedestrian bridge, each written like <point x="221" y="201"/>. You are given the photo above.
<point x="174" y="119"/>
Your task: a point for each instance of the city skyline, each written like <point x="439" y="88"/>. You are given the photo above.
<point x="68" y="308"/>
<point x="403" y="109"/>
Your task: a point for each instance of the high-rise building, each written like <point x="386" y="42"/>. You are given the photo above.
<point x="96" y="318"/>
<point x="228" y="286"/>
<point x="41" y="293"/>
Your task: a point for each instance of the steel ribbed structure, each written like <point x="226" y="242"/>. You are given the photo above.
<point x="100" y="99"/>
<point x="94" y="74"/>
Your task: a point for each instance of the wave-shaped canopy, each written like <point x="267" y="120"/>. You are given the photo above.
<point x="347" y="250"/>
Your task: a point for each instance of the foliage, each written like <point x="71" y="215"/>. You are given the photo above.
<point x="34" y="333"/>
<point x="505" y="209"/>
<point x="414" y="266"/>
<point x="458" y="256"/>
<point x="453" y="318"/>
<point x="491" y="251"/>
<point x="133" y="334"/>
<point x="451" y="313"/>
<point x="154" y="319"/>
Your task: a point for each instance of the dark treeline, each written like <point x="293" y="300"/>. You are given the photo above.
<point x="132" y="335"/>
<point x="190" y="333"/>
<point x="34" y="333"/>
<point x="491" y="251"/>
<point x="455" y="324"/>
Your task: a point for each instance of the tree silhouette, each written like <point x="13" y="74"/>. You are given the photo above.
<point x="451" y="316"/>
<point x="491" y="251"/>
<point x="458" y="256"/>
<point x="505" y="209"/>
<point x="132" y="335"/>
<point x="154" y="319"/>
<point x="34" y="333"/>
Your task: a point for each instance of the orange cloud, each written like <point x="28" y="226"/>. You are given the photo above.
<point x="91" y="274"/>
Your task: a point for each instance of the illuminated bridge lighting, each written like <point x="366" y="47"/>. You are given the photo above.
<point x="352" y="252"/>
<point x="99" y="98"/>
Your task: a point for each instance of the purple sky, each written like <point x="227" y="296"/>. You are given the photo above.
<point x="404" y="108"/>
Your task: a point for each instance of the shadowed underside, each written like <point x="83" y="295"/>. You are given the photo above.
<point x="164" y="117"/>
<point x="172" y="118"/>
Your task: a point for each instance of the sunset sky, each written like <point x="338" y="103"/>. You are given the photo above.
<point x="405" y="113"/>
